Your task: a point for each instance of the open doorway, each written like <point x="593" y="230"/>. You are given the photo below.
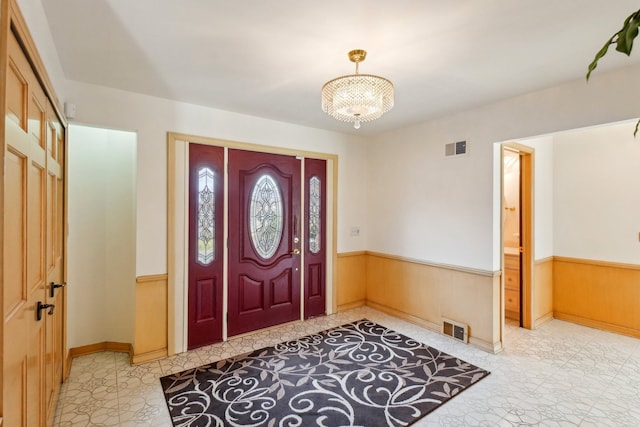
<point x="517" y="246"/>
<point x="511" y="219"/>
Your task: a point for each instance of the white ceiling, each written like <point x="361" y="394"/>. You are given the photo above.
<point x="270" y="58"/>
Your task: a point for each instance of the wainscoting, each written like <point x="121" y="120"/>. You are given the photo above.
<point x="542" y="291"/>
<point x="591" y="293"/>
<point x="603" y="295"/>
<point x="351" y="289"/>
<point x="150" y="338"/>
<point x="426" y="293"/>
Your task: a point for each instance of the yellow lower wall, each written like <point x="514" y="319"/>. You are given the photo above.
<point x="351" y="289"/>
<point x="426" y="294"/>
<point x="599" y="294"/>
<point x="150" y="339"/>
<point x="592" y="293"/>
<point x="542" y="291"/>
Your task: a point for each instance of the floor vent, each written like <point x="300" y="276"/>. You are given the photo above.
<point x="456" y="330"/>
<point x="455" y="149"/>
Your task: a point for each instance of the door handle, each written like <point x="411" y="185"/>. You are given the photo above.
<point x="54" y="286"/>
<point x="40" y="307"/>
<point x="296" y="251"/>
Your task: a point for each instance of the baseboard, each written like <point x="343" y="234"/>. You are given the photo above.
<point x="542" y="320"/>
<point x="148" y="357"/>
<point x="597" y="324"/>
<point x="474" y="341"/>
<point x="494" y="348"/>
<point x="350" y="305"/>
<point x="512" y="315"/>
<point x="118" y="347"/>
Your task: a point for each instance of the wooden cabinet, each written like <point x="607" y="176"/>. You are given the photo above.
<point x="512" y="286"/>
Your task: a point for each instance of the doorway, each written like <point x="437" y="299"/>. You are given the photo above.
<point x="517" y="234"/>
<point x="511" y="243"/>
<point x="270" y="271"/>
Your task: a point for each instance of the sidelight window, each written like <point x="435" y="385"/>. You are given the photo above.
<point x="206" y="217"/>
<point x="314" y="214"/>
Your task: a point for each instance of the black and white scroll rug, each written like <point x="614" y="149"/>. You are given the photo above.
<point x="358" y="374"/>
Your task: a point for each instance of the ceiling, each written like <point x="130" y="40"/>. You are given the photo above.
<point x="270" y="58"/>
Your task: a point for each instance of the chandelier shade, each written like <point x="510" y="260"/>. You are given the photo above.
<point x="357" y="98"/>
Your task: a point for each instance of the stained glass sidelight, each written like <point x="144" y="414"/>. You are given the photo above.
<point x="206" y="217"/>
<point x="265" y="216"/>
<point x="314" y="214"/>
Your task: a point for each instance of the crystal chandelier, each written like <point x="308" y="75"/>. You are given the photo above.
<point x="357" y="97"/>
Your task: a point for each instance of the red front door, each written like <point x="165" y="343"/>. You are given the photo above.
<point x="264" y="240"/>
<point x="206" y="195"/>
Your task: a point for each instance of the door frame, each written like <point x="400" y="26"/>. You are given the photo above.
<point x="177" y="226"/>
<point x="526" y="231"/>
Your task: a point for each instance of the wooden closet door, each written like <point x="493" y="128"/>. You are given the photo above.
<point x="55" y="293"/>
<point x="32" y="247"/>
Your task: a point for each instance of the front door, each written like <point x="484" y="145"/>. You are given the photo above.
<point x="264" y="240"/>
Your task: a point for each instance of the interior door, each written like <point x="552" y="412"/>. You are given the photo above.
<point x="315" y="241"/>
<point x="55" y="286"/>
<point x="206" y="198"/>
<point x="24" y="246"/>
<point x="264" y="240"/>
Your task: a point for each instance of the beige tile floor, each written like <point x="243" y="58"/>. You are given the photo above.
<point x="558" y="375"/>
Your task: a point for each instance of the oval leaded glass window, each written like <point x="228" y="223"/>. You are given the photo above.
<point x="265" y="216"/>
<point x="206" y="217"/>
<point x="314" y="214"/>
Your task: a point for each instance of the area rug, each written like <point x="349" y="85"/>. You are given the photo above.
<point x="358" y="374"/>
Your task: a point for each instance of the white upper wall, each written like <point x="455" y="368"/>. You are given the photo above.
<point x="406" y="197"/>
<point x="101" y="241"/>
<point x="36" y="20"/>
<point x="151" y="118"/>
<point x="445" y="210"/>
<point x="596" y="199"/>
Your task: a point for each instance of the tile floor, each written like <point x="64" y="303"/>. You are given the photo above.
<point x="559" y="375"/>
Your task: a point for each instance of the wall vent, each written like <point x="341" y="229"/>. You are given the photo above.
<point x="455" y="149"/>
<point x="456" y="330"/>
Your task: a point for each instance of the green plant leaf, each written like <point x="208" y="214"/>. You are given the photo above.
<point x="602" y="52"/>
<point x="623" y="39"/>
<point x="627" y="34"/>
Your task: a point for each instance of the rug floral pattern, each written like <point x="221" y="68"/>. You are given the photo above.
<point x="358" y="374"/>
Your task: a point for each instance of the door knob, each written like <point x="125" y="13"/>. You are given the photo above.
<point x="296" y="251"/>
<point x="53" y="287"/>
<point x="41" y="306"/>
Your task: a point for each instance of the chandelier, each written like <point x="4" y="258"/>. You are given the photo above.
<point x="357" y="97"/>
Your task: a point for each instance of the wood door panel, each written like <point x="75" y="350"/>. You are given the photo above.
<point x="15" y="378"/>
<point x="206" y="302"/>
<point x="16" y="96"/>
<point x="264" y="267"/>
<point x="282" y="289"/>
<point x="37" y="119"/>
<point x="35" y="227"/>
<point x="315" y="285"/>
<point x="15" y="190"/>
<point x="251" y="295"/>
